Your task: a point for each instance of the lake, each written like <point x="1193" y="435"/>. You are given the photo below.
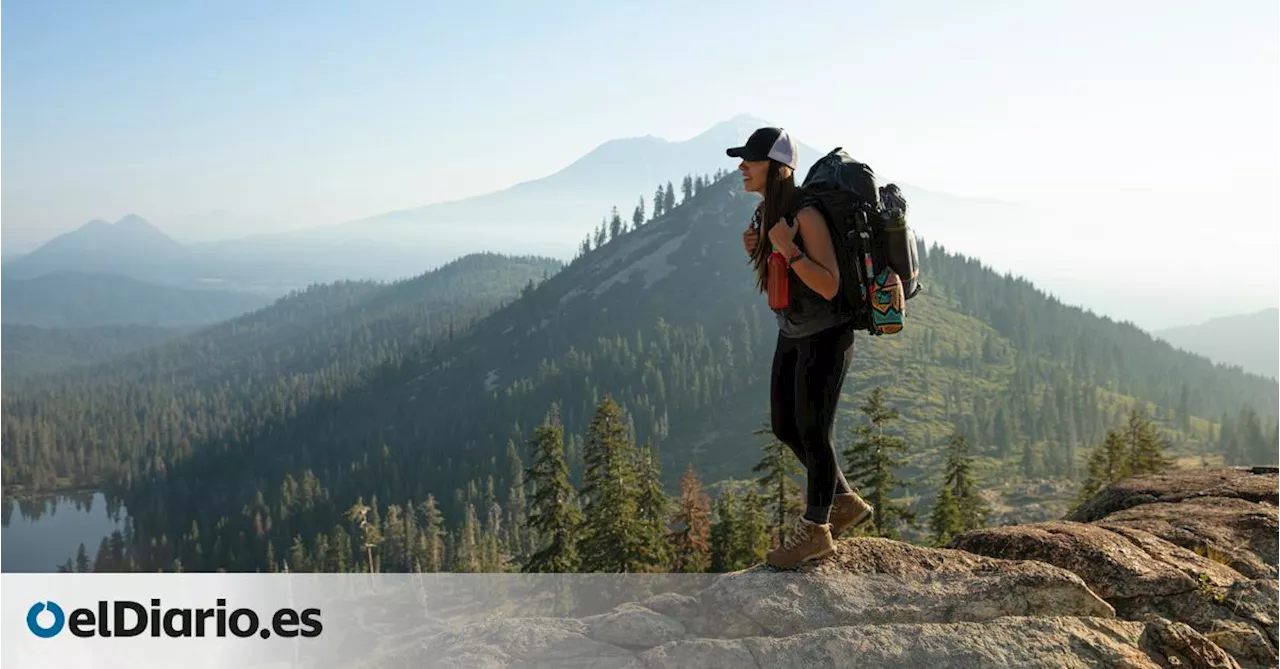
<point x="41" y="533"/>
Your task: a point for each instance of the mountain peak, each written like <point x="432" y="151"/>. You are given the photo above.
<point x="739" y="127"/>
<point x="124" y="247"/>
<point x="136" y="223"/>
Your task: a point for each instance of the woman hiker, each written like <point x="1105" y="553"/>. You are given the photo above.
<point x="815" y="341"/>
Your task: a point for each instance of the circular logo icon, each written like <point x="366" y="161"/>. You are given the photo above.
<point x="33" y="619"/>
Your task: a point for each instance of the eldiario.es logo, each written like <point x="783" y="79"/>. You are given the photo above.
<point x="124" y="618"/>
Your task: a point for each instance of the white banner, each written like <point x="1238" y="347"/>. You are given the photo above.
<point x="215" y="621"/>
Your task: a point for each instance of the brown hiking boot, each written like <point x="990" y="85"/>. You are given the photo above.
<point x="848" y="510"/>
<point x="805" y="541"/>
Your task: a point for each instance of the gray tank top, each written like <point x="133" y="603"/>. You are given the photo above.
<point x="808" y="313"/>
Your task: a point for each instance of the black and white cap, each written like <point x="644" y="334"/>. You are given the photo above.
<point x="770" y="144"/>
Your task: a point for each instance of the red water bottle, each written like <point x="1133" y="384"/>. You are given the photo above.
<point x="779" y="283"/>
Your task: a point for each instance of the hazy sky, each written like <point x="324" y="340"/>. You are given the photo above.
<point x="309" y="113"/>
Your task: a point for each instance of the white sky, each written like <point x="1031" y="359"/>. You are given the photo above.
<point x="309" y="114"/>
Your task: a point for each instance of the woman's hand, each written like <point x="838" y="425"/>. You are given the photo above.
<point x="783" y="235"/>
<point x="750" y="238"/>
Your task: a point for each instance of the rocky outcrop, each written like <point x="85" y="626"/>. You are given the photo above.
<point x="877" y="603"/>
<point x="878" y="581"/>
<point x="1164" y="576"/>
<point x="1252" y="484"/>
<point x="1197" y="547"/>
<point x="1120" y="564"/>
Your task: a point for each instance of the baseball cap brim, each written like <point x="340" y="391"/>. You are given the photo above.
<point x="745" y="152"/>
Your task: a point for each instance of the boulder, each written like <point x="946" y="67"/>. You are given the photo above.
<point x="1118" y="563"/>
<point x="1251" y="484"/>
<point x="1235" y="532"/>
<point x="878" y="581"/>
<point x="520" y="642"/>
<point x="1004" y="642"/>
<point x="1196" y="546"/>
<point x="1007" y="643"/>
<point x="633" y="626"/>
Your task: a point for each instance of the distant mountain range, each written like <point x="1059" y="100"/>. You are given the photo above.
<point x="83" y="300"/>
<point x="130" y="247"/>
<point x="270" y="266"/>
<point x="547" y="216"/>
<point x="550" y="215"/>
<point x="1249" y="341"/>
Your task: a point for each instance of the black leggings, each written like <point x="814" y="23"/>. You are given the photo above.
<point x="808" y="374"/>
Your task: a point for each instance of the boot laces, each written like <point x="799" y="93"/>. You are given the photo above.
<point x="798" y="532"/>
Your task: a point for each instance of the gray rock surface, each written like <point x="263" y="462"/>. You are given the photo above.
<point x="1236" y="532"/>
<point x="1169" y="571"/>
<point x="1118" y="563"/>
<point x="1193" y="546"/>
<point x="1252" y="484"/>
<point x="878" y="581"/>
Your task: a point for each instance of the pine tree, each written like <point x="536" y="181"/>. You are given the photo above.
<point x="637" y="217"/>
<point x="753" y="537"/>
<point x="944" y="519"/>
<point x="1228" y="443"/>
<point x="659" y="200"/>
<point x="433" y="535"/>
<point x="1146" y="446"/>
<point x="669" y="200"/>
<point x="409" y="530"/>
<point x="602" y="233"/>
<point x="654" y="509"/>
<point x="1184" y="409"/>
<point x="298" y="561"/>
<point x="1031" y="461"/>
<point x="370" y="535"/>
<point x="517" y="504"/>
<point x="554" y="516"/>
<point x="1253" y="443"/>
<point x="394" y="541"/>
<point x="615" y="224"/>
<point x="686" y="188"/>
<point x="1001" y="434"/>
<point x="467" y="557"/>
<point x="340" y="548"/>
<point x="693" y="522"/>
<point x="959" y="507"/>
<point x="82" y="561"/>
<point x="776" y="469"/>
<point x="1107" y="463"/>
<point x="873" y="458"/>
<point x="611" y="531"/>
<point x="724" y="534"/>
<point x="492" y="559"/>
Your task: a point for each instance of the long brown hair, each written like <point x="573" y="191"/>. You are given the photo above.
<point x="779" y="197"/>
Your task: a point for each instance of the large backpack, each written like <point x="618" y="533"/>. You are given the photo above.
<point x="875" y="247"/>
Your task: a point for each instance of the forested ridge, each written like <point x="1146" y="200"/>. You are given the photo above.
<point x="32" y="351"/>
<point x="79" y="300"/>
<point x="425" y="453"/>
<point x="135" y="416"/>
